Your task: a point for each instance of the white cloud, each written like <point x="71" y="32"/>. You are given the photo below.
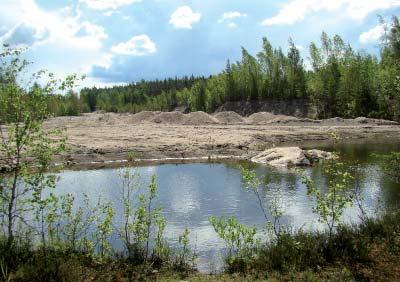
<point x="139" y="45"/>
<point x="63" y="27"/>
<point x="108" y="13"/>
<point x="184" y="17"/>
<point x="232" y="25"/>
<point x="296" y="10"/>
<point x="231" y="15"/>
<point x="373" y="35"/>
<point x="57" y="40"/>
<point x="107" y="4"/>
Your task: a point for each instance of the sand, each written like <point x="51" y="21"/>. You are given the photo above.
<point x="261" y="118"/>
<point x="199" y="118"/>
<point x="229" y="117"/>
<point x="144" y="116"/>
<point x="109" y="137"/>
<point x="168" y="117"/>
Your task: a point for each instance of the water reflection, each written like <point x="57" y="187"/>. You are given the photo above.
<point x="190" y="193"/>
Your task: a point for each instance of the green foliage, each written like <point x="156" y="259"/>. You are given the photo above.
<point x="240" y="239"/>
<point x="275" y="207"/>
<point x="342" y="82"/>
<point x="104" y="230"/>
<point x="142" y="222"/>
<point x="25" y="147"/>
<point x="353" y="247"/>
<point x="391" y="165"/>
<point x="185" y="257"/>
<point x="329" y="206"/>
<point x="29" y="210"/>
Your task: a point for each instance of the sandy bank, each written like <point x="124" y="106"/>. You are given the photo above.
<point x="149" y="135"/>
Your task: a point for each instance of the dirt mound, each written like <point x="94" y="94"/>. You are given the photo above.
<point x="143" y="116"/>
<point x="199" y="118"/>
<point x="284" y="119"/>
<point x="109" y="118"/>
<point x="261" y="118"/>
<point x="364" y="120"/>
<point x="229" y="117"/>
<point x="334" y="120"/>
<point x="310" y="120"/>
<point x="168" y="117"/>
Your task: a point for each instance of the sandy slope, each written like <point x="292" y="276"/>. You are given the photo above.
<point x="103" y="137"/>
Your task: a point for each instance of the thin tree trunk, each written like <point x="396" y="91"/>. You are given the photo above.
<point x="11" y="204"/>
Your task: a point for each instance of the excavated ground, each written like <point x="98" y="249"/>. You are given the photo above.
<point x="102" y="138"/>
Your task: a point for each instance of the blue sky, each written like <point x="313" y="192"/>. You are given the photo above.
<point x="120" y="41"/>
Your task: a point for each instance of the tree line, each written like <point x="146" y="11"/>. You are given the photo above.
<point x="45" y="236"/>
<point x="337" y="81"/>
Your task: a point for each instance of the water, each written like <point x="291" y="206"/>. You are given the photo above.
<point x="190" y="193"/>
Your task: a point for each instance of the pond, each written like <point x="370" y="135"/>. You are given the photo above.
<point x="190" y="193"/>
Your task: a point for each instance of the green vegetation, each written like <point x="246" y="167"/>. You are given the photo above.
<point x="339" y="82"/>
<point x="349" y="251"/>
<point x="45" y="237"/>
<point x="391" y="165"/>
<point x="330" y="205"/>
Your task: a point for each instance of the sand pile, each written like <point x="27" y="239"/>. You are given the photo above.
<point x="199" y="118"/>
<point x="283" y="119"/>
<point x="109" y="118"/>
<point x="144" y="116"/>
<point x="229" y="117"/>
<point x="269" y="118"/>
<point x="334" y="120"/>
<point x="364" y="120"/>
<point x="168" y="117"/>
<point x="261" y="118"/>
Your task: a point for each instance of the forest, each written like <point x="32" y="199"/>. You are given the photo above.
<point x="46" y="235"/>
<point x="339" y="81"/>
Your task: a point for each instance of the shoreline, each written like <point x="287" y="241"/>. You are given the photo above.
<point x="96" y="144"/>
<point x="114" y="140"/>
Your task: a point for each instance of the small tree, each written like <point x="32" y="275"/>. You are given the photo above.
<point x="391" y="165"/>
<point x="330" y="206"/>
<point x="275" y="207"/>
<point x="140" y="217"/>
<point x="239" y="238"/>
<point x="26" y="148"/>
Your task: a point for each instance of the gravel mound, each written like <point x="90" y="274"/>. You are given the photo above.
<point x="284" y="119"/>
<point x="334" y="120"/>
<point x="229" y="117"/>
<point x="143" y="116"/>
<point x="364" y="120"/>
<point x="168" y="117"/>
<point x="261" y="118"/>
<point x="109" y="118"/>
<point x="199" y="118"/>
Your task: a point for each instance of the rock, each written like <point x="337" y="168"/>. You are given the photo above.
<point x="362" y="120"/>
<point x="291" y="156"/>
<point x="282" y="156"/>
<point x="317" y="155"/>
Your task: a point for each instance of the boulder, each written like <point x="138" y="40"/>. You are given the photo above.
<point x="291" y="156"/>
<point x="282" y="156"/>
<point x="317" y="155"/>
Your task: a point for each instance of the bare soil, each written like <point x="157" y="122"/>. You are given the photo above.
<point x="107" y="137"/>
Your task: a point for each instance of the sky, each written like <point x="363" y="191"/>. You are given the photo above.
<point x="122" y="41"/>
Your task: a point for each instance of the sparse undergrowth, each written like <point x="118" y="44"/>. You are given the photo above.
<point x="367" y="252"/>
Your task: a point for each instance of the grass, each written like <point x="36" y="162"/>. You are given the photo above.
<point x="369" y="251"/>
<point x="366" y="252"/>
